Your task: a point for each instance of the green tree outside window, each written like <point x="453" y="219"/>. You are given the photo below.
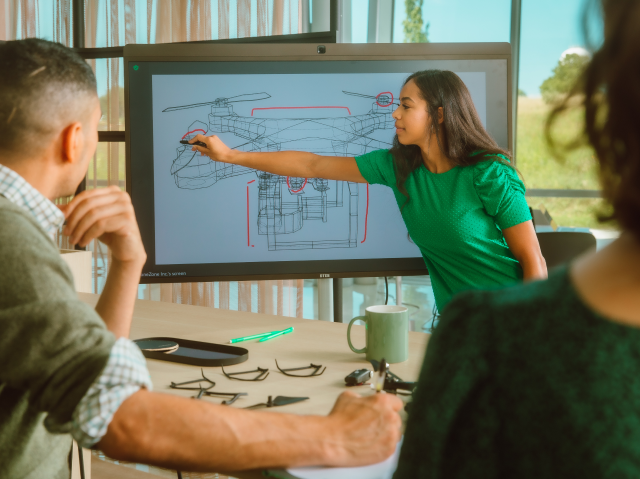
<point x="413" y="25"/>
<point x="565" y="75"/>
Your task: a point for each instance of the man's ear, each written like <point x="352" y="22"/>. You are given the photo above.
<point x="440" y="115"/>
<point x="72" y="143"/>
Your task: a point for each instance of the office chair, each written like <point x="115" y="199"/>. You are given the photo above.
<point x="561" y="247"/>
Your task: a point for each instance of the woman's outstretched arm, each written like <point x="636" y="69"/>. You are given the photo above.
<point x="298" y="164"/>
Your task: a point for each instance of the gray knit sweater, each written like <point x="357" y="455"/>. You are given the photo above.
<point x="52" y="348"/>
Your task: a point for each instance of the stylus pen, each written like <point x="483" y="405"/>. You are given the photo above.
<point x="195" y="143"/>
<point x="255" y="336"/>
<point x="378" y="383"/>
<point x="279" y="333"/>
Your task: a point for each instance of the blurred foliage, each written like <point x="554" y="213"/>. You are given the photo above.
<point x="536" y="161"/>
<point x="540" y="170"/>
<point x="413" y="24"/>
<point x="564" y="77"/>
<point x="99" y="173"/>
<point x="104" y="106"/>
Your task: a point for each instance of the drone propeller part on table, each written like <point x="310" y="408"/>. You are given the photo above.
<point x="315" y="367"/>
<point x="206" y="391"/>
<point x="262" y="374"/>
<point x="226" y="402"/>
<point x="278" y="401"/>
<point x="182" y="385"/>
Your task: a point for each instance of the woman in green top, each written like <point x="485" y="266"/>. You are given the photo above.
<point x="543" y="380"/>
<point x="462" y="202"/>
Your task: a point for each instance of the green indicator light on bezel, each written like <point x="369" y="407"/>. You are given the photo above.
<point x="135" y="67"/>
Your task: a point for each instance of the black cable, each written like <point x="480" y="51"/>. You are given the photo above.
<point x="81" y="459"/>
<point x="434" y="317"/>
<point x="179" y="474"/>
<point x="413" y="306"/>
<point x="386" y="287"/>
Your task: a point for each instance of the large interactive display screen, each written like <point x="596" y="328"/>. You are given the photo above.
<point x="203" y="219"/>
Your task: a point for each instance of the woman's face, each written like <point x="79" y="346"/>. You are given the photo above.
<point x="412" y="120"/>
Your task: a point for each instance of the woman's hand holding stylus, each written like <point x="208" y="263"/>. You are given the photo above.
<point x="298" y="164"/>
<point x="215" y="149"/>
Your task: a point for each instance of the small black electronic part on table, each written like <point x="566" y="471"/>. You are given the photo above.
<point x="358" y="377"/>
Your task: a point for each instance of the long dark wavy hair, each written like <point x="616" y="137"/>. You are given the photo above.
<point x="609" y="92"/>
<point x="460" y="134"/>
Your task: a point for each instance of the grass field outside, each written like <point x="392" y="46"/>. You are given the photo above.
<point x="541" y="170"/>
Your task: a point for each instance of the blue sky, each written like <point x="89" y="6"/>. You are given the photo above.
<point x="548" y="28"/>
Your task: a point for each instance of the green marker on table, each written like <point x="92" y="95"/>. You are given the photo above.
<point x="276" y="334"/>
<point x="255" y="336"/>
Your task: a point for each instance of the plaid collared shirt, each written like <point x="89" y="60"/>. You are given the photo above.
<point x="16" y="189"/>
<point x="126" y="370"/>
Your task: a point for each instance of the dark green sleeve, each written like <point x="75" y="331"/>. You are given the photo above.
<point x="377" y="168"/>
<point x="453" y="422"/>
<point x="51" y="344"/>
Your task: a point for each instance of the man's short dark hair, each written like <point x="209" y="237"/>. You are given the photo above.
<point x="43" y="85"/>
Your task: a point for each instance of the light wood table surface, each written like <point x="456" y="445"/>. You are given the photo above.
<point x="314" y="342"/>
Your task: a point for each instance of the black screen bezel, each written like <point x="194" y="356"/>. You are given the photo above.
<point x="137" y="107"/>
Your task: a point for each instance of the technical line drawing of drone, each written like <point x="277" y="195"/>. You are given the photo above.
<point x="332" y="136"/>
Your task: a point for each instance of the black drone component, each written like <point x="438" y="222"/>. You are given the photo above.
<point x="197" y="143"/>
<point x="278" y="401"/>
<point x="392" y="385"/>
<point x="202" y="390"/>
<point x="358" y="377"/>
<point x="199" y="388"/>
<point x="315" y="367"/>
<point x="207" y="392"/>
<point x="227" y="402"/>
<point x="262" y="374"/>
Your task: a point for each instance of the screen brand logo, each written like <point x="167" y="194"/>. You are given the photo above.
<point x="323" y="275"/>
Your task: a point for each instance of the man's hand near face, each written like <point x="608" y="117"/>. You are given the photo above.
<point x="107" y="214"/>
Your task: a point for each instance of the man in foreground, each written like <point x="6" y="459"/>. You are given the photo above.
<point x="70" y="371"/>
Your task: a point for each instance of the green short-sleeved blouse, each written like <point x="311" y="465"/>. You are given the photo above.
<point x="456" y="218"/>
<point x="526" y="383"/>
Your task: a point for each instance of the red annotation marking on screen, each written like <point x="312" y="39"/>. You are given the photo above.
<point x="384" y="93"/>
<point x="249" y="182"/>
<point x="193" y="131"/>
<point x="248" y="236"/>
<point x="298" y="108"/>
<point x="296" y="191"/>
<point x="366" y="216"/>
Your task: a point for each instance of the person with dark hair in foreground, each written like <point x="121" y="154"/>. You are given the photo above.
<point x="67" y="370"/>
<point x="461" y="200"/>
<point x="543" y="380"/>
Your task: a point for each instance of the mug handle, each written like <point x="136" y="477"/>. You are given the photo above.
<point x="361" y="318"/>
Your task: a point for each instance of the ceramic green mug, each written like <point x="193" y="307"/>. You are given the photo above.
<point x="387" y="333"/>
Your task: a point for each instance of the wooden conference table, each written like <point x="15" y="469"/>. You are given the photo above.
<point x="314" y="342"/>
